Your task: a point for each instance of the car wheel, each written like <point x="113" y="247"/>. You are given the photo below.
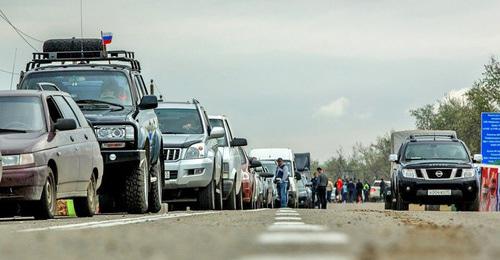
<point x="45" y="208"/>
<point x="239" y="199"/>
<point x="155" y="194"/>
<point x="219" y="193"/>
<point x="231" y="200"/>
<point x="400" y="205"/>
<point x="86" y="206"/>
<point x="206" y="197"/>
<point x="136" y="189"/>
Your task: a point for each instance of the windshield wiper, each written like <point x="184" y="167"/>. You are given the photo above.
<point x="95" y="101"/>
<point x="13" y="130"/>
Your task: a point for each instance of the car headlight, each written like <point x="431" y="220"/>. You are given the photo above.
<point x="409" y="173"/>
<point x="468" y="173"/>
<point x="115" y="133"/>
<point x="18" y="160"/>
<point x="195" y="151"/>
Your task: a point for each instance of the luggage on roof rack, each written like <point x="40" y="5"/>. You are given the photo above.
<point x="83" y="51"/>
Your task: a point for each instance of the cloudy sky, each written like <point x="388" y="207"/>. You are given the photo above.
<point x="309" y="75"/>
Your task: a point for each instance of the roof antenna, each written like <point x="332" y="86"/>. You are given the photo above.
<point x="13" y="68"/>
<point x="81" y="27"/>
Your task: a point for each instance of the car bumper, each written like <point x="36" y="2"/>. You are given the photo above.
<point x="182" y="173"/>
<point x="23" y="183"/>
<point x="116" y="157"/>
<point x="416" y="191"/>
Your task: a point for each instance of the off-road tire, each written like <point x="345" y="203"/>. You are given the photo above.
<point x="400" y="205"/>
<point x="206" y="197"/>
<point x="219" y="200"/>
<point x="156" y="191"/>
<point x="73" y="44"/>
<point x="136" y="189"/>
<point x="45" y="208"/>
<point x="87" y="206"/>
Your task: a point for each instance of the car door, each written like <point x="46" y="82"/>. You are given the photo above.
<point x="66" y="158"/>
<point x="88" y="146"/>
<point x="234" y="155"/>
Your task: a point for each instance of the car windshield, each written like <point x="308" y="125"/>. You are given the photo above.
<point x="106" y="86"/>
<point x="179" y="121"/>
<point x="21" y="114"/>
<point x="222" y="141"/>
<point x="271" y="166"/>
<point x="436" y="151"/>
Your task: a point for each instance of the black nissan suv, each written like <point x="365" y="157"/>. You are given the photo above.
<point x="110" y="91"/>
<point x="434" y="170"/>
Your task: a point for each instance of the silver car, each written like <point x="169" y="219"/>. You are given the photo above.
<point x="193" y="163"/>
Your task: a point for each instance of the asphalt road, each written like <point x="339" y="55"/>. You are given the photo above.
<point x="341" y="232"/>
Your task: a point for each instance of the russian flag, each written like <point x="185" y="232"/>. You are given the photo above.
<point x="107" y="37"/>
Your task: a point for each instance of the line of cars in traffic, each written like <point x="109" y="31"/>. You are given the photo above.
<point x="84" y="126"/>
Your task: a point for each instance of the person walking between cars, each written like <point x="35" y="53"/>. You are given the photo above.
<point x="282" y="174"/>
<point x="382" y="189"/>
<point x="322" y="183"/>
<point x="329" y="190"/>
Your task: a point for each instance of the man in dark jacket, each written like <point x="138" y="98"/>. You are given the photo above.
<point x="282" y="174"/>
<point x="314" y="187"/>
<point x="351" y="187"/>
<point x="322" y="183"/>
<point x="359" y="191"/>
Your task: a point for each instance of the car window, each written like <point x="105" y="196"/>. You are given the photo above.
<point x="65" y="109"/>
<point x="179" y="121"/>
<point x="54" y="111"/>
<point x="222" y="141"/>
<point x="229" y="132"/>
<point x="140" y="87"/>
<point x="107" y="86"/>
<point x="243" y="155"/>
<point x="21" y="113"/>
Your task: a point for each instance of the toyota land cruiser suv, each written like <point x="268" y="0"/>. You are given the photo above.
<point x="110" y="91"/>
<point x="193" y="162"/>
<point x="434" y="170"/>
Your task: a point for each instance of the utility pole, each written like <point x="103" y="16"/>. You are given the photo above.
<point x="13" y="68"/>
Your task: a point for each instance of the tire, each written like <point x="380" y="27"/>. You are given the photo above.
<point x="239" y="200"/>
<point x="388" y="205"/>
<point x="136" y="189"/>
<point x="231" y="200"/>
<point x="45" y="208"/>
<point x="474" y="206"/>
<point x="87" y="206"/>
<point x="400" y="205"/>
<point x="73" y="44"/>
<point x="206" y="197"/>
<point x="219" y="192"/>
<point x="155" y="194"/>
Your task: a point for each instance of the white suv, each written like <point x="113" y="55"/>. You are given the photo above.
<point x="193" y="163"/>
<point x="232" y="163"/>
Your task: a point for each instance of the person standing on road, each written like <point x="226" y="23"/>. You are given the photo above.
<point x="351" y="188"/>
<point x="329" y="190"/>
<point x="282" y="174"/>
<point x="339" y="184"/>
<point x="345" y="192"/>
<point x="322" y="183"/>
<point x="314" y="187"/>
<point x="366" y="190"/>
<point x="359" y="191"/>
<point x="382" y="189"/>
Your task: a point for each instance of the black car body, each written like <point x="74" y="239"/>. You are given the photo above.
<point x="434" y="170"/>
<point x="110" y="91"/>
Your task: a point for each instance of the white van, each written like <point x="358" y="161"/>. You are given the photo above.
<point x="268" y="157"/>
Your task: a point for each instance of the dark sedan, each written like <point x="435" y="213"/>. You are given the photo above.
<point x="49" y="152"/>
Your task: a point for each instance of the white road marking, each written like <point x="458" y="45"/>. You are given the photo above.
<point x="256" y="210"/>
<point x="287" y="214"/>
<point x="330" y="238"/>
<point x="287" y="218"/>
<point x="288" y="223"/>
<point x="117" y="222"/>
<point x="305" y="227"/>
<point x="297" y="257"/>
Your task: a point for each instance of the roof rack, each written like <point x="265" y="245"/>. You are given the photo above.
<point x="83" y="57"/>
<point x="413" y="138"/>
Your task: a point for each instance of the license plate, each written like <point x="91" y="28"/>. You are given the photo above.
<point x="439" y="192"/>
<point x="167" y="175"/>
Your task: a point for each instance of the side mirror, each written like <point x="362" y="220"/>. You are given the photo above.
<point x="393" y="158"/>
<point x="239" y="142"/>
<point x="254" y="163"/>
<point x="217" y="132"/>
<point x="478" y="158"/>
<point x="148" y="102"/>
<point x="63" y="124"/>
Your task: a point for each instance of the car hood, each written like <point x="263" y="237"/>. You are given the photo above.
<point x="181" y="141"/>
<point x="437" y="164"/>
<point x="19" y="143"/>
<point x="107" y="115"/>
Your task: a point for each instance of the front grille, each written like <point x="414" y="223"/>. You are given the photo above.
<point x="172" y="154"/>
<point x="444" y="173"/>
